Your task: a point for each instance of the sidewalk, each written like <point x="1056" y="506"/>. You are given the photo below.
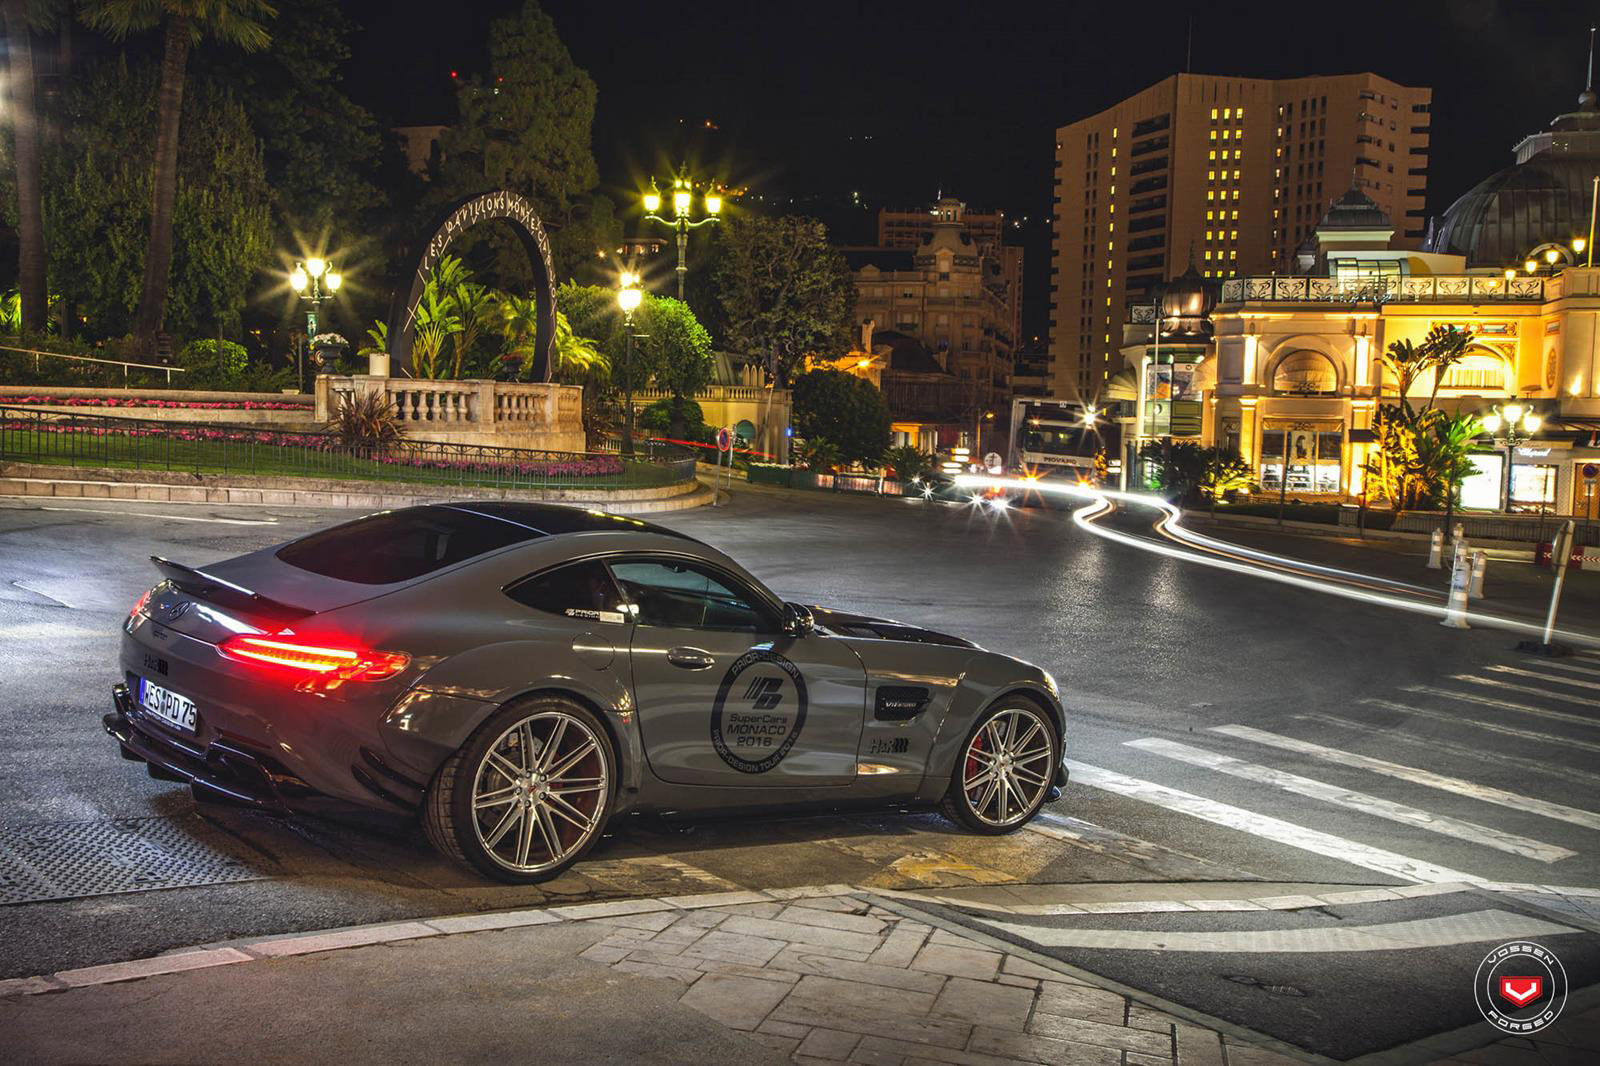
<point x="815" y="975"/>
<point x="819" y="975"/>
<point x="1517" y="589"/>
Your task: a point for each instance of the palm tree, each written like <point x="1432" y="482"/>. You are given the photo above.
<point x="577" y="360"/>
<point x="185" y="23"/>
<point x="436" y="320"/>
<point x="31" y="260"/>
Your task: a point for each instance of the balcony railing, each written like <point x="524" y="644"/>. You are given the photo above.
<point x="1432" y="288"/>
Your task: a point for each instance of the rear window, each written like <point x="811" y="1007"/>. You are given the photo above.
<point x="398" y="546"/>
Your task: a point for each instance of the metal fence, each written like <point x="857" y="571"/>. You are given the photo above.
<point x="1527" y="528"/>
<point x="94" y="440"/>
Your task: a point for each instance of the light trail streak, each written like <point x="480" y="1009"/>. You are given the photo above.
<point x="1208" y="551"/>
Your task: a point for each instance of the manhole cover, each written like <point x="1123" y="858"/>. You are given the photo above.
<point x="67" y="860"/>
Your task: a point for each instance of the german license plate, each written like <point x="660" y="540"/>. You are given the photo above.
<point x="177" y="711"/>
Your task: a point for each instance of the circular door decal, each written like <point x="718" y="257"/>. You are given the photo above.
<point x="761" y="705"/>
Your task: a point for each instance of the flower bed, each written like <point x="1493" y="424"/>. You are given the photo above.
<point x="588" y="466"/>
<point x="141" y="401"/>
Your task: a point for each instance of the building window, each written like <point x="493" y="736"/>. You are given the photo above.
<point x="1305" y="373"/>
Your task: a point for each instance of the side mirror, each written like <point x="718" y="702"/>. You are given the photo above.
<point x="797" y="620"/>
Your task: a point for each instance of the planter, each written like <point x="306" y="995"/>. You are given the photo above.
<point x="378" y="365"/>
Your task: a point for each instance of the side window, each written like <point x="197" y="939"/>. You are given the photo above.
<point x="577" y="590"/>
<point x="684" y="595"/>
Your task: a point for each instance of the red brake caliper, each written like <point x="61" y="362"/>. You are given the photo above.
<point x="972" y="759"/>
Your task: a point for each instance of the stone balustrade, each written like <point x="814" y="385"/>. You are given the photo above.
<point x="509" y="413"/>
<point x="1407" y="288"/>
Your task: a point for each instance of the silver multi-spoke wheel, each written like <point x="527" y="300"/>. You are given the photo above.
<point x="1007" y="767"/>
<point x="539" y="791"/>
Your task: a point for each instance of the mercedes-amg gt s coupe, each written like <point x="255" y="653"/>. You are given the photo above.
<point x="516" y="675"/>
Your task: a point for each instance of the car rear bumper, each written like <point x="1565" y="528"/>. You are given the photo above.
<point x="219" y="772"/>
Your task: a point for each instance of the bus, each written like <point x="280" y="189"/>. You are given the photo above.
<point x="1061" y="438"/>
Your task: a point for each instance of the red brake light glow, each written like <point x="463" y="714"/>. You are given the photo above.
<point x="345" y="662"/>
<point x="143" y="601"/>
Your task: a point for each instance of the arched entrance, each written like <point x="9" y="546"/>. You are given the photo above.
<point x="449" y="225"/>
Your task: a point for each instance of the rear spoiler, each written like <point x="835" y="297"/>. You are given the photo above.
<point x="225" y="593"/>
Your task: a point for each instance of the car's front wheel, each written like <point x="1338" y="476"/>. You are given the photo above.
<point x="1005" y="770"/>
<point x="527" y="795"/>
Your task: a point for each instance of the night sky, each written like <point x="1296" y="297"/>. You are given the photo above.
<point x="897" y="101"/>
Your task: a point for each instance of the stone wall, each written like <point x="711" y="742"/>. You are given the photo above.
<point x="494" y="413"/>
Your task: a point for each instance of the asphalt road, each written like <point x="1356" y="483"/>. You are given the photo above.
<point x="1217" y="717"/>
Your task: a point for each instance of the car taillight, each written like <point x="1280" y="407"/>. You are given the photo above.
<point x="320" y="659"/>
<point x="142" y="602"/>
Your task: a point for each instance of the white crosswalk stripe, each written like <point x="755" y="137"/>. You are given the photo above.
<point x="1504" y="705"/>
<point x="1356" y="801"/>
<point x="1557" y="665"/>
<point x="1511" y="686"/>
<point x="1516" y="672"/>
<point x="1265" y="826"/>
<point x="1534" y="766"/>
<point x="1491" y="727"/>
<point x="1515" y="801"/>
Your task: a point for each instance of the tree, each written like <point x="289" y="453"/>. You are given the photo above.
<point x="677" y="350"/>
<point x="436" y="320"/>
<point x="318" y="145"/>
<point x="1421" y="452"/>
<point x="1179" y="466"/>
<point x="20" y="17"/>
<point x="907" y="462"/>
<point x="844" y="409"/>
<point x="1224" y="471"/>
<point x="97" y="203"/>
<point x="782" y="291"/>
<point x="525" y="128"/>
<point x="185" y="23"/>
<point x="576" y="360"/>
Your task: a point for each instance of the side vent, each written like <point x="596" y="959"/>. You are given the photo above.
<point x="899" y="703"/>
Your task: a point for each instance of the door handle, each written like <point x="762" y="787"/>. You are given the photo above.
<point x="691" y="658"/>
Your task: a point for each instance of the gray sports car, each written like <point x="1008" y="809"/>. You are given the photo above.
<point x="518" y="674"/>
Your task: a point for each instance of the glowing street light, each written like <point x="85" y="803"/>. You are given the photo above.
<point x="314" y="281"/>
<point x="1510" y="425"/>
<point x="629" y="297"/>
<point x="682" y="210"/>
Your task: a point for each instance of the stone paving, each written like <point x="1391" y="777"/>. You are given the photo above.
<point x="832" y="979"/>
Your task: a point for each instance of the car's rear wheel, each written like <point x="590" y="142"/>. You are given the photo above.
<point x="1005" y="770"/>
<point x="528" y="794"/>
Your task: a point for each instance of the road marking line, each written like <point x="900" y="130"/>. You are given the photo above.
<point x="1265" y="826"/>
<point x="1473" y="927"/>
<point x="1362" y="802"/>
<point x="1558" y="811"/>
<point x="1517" y="672"/>
<point x="168" y="517"/>
<point x="1548" y="694"/>
<point x="1535" y="766"/>
<point x="1504" y="705"/>
<point x="1574" y="668"/>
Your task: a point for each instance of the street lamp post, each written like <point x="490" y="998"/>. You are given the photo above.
<point x="682" y="208"/>
<point x="314" y="281"/>
<point x="629" y="296"/>
<point x="1518" y="423"/>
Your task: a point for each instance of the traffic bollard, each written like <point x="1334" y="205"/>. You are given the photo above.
<point x="1457" y="532"/>
<point x="1480" y="564"/>
<point x="1435" y="548"/>
<point x="1455" y="615"/>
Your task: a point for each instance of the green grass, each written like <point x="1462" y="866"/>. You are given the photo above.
<point x="273" y="460"/>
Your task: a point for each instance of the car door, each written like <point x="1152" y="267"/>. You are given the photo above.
<point x="725" y="697"/>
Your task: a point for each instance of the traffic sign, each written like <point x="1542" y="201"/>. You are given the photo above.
<point x="725" y="439"/>
<point x="1591" y="471"/>
<point x="993" y="463"/>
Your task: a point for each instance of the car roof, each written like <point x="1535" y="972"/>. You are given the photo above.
<point x="551" y="520"/>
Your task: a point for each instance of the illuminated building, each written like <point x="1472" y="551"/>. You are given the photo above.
<point x="1236" y="170"/>
<point x="948" y="291"/>
<point x="1293" y="363"/>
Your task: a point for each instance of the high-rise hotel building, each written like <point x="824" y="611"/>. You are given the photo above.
<point x="1231" y="173"/>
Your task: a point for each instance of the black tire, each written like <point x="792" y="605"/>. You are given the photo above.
<point x="958" y="806"/>
<point x="448" y="817"/>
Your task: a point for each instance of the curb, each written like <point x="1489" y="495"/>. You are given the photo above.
<point x="271" y="947"/>
<point x="678" y="497"/>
